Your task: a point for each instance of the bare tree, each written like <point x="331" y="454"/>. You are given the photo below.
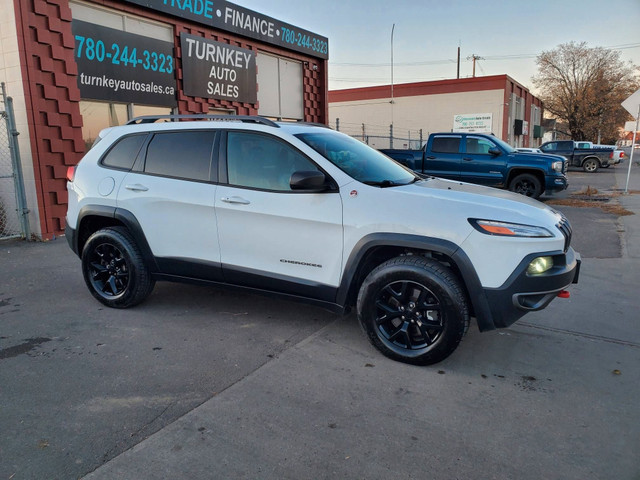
<point x="584" y="87"/>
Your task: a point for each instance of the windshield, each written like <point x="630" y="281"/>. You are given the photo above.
<point x="358" y="160"/>
<point x="504" y="145"/>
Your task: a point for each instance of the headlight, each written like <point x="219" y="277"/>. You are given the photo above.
<point x="505" y="229"/>
<point x="557" y="166"/>
<point x="539" y="265"/>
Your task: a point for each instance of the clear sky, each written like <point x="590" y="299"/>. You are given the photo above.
<point x="507" y="34"/>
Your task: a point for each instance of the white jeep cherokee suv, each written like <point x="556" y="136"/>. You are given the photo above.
<point x="308" y="213"/>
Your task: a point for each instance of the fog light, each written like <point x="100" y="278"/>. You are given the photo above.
<point x="539" y="265"/>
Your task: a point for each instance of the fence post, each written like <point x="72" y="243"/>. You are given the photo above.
<point x="21" y="198"/>
<point x="363" y="134"/>
<point x="391" y="136"/>
<point x="337" y="124"/>
<point x="420" y="138"/>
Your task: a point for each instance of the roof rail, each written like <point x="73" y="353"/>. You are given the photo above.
<point x="314" y="124"/>
<point x="204" y="116"/>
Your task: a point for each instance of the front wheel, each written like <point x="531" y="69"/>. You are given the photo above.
<point x="590" y="165"/>
<point x="413" y="309"/>
<point x="526" y="184"/>
<point x="114" y="270"/>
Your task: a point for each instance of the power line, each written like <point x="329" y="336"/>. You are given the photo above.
<point x="624" y="46"/>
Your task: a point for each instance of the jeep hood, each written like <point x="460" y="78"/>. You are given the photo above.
<point x="480" y="202"/>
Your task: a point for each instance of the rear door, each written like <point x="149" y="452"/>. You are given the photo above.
<point x="443" y="156"/>
<point x="171" y="192"/>
<point x="478" y="165"/>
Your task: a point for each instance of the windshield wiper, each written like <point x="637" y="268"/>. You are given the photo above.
<point x="389" y="183"/>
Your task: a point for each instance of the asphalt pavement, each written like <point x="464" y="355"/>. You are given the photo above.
<point x="204" y="383"/>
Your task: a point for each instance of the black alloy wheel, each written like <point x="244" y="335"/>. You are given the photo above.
<point x="413" y="309"/>
<point x="114" y="270"/>
<point x="108" y="271"/>
<point x="409" y="316"/>
<point x="526" y="184"/>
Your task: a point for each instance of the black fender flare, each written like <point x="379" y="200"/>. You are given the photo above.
<point x="469" y="277"/>
<point x="124" y="217"/>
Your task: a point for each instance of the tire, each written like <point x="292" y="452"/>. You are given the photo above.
<point x="413" y="309"/>
<point x="590" y="165"/>
<point x="114" y="270"/>
<point x="526" y="184"/>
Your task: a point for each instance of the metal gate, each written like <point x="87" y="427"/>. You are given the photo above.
<point x="14" y="222"/>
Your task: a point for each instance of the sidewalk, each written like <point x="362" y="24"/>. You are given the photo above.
<point x="631" y="201"/>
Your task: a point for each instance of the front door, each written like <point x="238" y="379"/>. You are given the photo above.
<point x="479" y="166"/>
<point x="272" y="237"/>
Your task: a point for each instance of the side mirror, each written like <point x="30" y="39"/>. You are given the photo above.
<point x="310" y="181"/>
<point x="495" y="152"/>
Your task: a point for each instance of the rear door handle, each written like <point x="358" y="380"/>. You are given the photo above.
<point x="235" y="200"/>
<point x="467" y="159"/>
<point x="137" y="187"/>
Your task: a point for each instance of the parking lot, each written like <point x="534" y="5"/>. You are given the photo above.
<point x="200" y="382"/>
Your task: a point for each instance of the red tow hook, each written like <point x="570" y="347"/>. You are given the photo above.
<point x="564" y="294"/>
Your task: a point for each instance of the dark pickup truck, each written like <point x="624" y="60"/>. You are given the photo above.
<point x="485" y="160"/>
<point x="590" y="159"/>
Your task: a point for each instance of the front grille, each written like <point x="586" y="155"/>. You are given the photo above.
<point x="565" y="166"/>
<point x="565" y="227"/>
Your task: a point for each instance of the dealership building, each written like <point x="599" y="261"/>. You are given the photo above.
<point x="75" y="67"/>
<point x="492" y="104"/>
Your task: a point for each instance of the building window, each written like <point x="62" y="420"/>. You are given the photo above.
<point x="280" y="87"/>
<point x="99" y="115"/>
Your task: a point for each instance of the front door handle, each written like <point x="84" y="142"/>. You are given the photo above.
<point x="137" y="187"/>
<point x="467" y="159"/>
<point x="235" y="200"/>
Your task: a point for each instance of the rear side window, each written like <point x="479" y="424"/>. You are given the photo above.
<point x="124" y="153"/>
<point x="565" y="145"/>
<point x="446" y="144"/>
<point x="181" y="154"/>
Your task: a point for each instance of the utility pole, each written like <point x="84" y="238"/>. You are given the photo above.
<point x="458" y="75"/>
<point x="474" y="57"/>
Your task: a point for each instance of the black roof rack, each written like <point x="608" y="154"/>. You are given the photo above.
<point x="223" y="118"/>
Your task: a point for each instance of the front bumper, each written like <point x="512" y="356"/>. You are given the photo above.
<point x="556" y="183"/>
<point x="523" y="293"/>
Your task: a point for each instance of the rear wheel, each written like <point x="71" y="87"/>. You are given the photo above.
<point x="413" y="309"/>
<point x="114" y="269"/>
<point x="590" y="165"/>
<point x="526" y="184"/>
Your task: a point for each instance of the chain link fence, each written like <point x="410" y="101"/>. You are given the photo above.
<point x="382" y="136"/>
<point x="13" y="219"/>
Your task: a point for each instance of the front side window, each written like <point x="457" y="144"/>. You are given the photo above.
<point x="263" y="162"/>
<point x="477" y="145"/>
<point x="446" y="144"/>
<point x="124" y="153"/>
<point x="181" y="154"/>
<point x="358" y="160"/>
<point x="550" y="147"/>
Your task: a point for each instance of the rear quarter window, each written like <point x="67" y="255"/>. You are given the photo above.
<point x="124" y="152"/>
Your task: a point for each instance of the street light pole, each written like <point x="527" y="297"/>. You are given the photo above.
<point x="391" y="139"/>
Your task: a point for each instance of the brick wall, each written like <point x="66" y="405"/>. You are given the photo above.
<point x="46" y="47"/>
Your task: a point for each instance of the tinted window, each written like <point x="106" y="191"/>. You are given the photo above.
<point x="124" y="153"/>
<point x="181" y="154"/>
<point x="565" y="145"/>
<point x="445" y="144"/>
<point x="264" y="162"/>
<point x="479" y="145"/>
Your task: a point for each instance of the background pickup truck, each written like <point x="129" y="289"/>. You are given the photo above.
<point x="615" y="158"/>
<point x="590" y="159"/>
<point x="485" y="160"/>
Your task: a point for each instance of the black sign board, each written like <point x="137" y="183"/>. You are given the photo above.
<point x="217" y="70"/>
<point x="123" y="67"/>
<point x="229" y="17"/>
